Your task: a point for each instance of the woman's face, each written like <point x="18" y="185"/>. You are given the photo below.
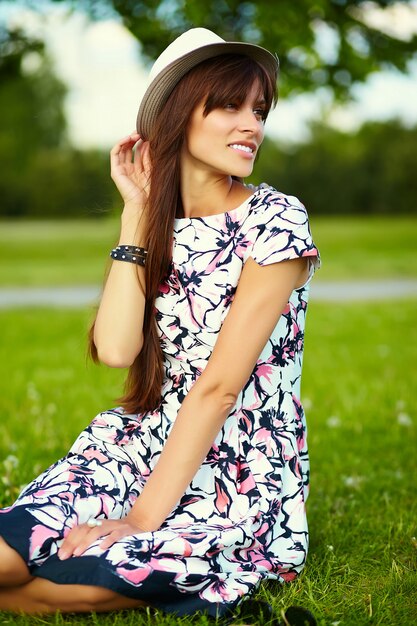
<point x="226" y="141"/>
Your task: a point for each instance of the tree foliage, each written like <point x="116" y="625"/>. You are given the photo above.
<point x="365" y="173"/>
<point x="371" y="171"/>
<point x="291" y="29"/>
<point x="41" y="175"/>
<point x="368" y="172"/>
<point x="31" y="97"/>
<point x="32" y="115"/>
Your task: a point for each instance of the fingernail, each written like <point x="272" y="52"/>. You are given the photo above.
<point x="62" y="554"/>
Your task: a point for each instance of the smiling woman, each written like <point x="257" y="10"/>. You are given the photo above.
<point x="224" y="124"/>
<point x="191" y="492"/>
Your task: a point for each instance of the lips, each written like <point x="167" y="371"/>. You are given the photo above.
<point x="244" y="146"/>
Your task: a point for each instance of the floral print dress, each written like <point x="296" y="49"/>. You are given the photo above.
<point x="242" y="519"/>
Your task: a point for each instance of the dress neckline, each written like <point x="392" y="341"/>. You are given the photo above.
<point x="214" y="217"/>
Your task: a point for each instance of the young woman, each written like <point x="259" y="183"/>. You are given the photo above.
<point x="193" y="491"/>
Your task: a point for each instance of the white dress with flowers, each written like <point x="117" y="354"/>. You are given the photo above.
<point x="242" y="518"/>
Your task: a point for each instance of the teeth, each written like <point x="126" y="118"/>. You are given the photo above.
<point x="238" y="146"/>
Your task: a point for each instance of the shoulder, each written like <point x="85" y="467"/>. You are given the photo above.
<point x="267" y="203"/>
<point x="277" y="228"/>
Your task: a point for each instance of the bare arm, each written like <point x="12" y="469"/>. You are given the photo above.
<point x="118" y="327"/>
<point x="261" y="296"/>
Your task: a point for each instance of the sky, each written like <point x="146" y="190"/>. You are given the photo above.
<point x="101" y="64"/>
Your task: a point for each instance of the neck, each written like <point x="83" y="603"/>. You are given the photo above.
<point x="203" y="193"/>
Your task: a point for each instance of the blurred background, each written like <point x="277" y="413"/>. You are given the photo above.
<point x="343" y="138"/>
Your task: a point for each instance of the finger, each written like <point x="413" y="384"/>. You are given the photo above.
<point x="118" y="151"/>
<point x="128" y="140"/>
<point x="118" y="147"/>
<point x="126" y="154"/>
<point x="74" y="537"/>
<point x="90" y="538"/>
<point x="111" y="539"/>
<point x="117" y="160"/>
<point x="121" y="531"/>
<point x="83" y="539"/>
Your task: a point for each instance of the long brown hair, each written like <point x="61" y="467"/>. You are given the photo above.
<point x="219" y="81"/>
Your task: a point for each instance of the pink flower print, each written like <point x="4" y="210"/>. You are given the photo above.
<point x="107" y="505"/>
<point x="40" y="534"/>
<point x="92" y="453"/>
<point x="241" y="246"/>
<point x="136" y="575"/>
<point x="258" y="560"/>
<point x="263" y="382"/>
<point x="220" y="591"/>
<point x="245" y="422"/>
<point x="187" y="547"/>
<point x="295" y="328"/>
<point x="263" y="436"/>
<point x="175" y="565"/>
<point x="222" y="501"/>
<point x="263" y="529"/>
<point x="163" y="288"/>
<point x="264" y="371"/>
<point x="248" y="482"/>
<point x="99" y="421"/>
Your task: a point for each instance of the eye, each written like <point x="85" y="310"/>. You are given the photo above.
<point x="231" y="106"/>
<point x="260" y="113"/>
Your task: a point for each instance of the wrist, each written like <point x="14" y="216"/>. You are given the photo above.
<point x="132" y="228"/>
<point x="133" y="210"/>
<point x="139" y="523"/>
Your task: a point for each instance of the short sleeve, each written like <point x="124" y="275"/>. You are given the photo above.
<point x="279" y="230"/>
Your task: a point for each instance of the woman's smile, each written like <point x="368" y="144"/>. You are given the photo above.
<point x="246" y="149"/>
<point x="238" y="127"/>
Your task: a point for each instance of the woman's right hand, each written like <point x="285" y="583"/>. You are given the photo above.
<point x="131" y="172"/>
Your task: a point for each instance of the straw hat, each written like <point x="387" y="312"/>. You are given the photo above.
<point x="189" y="49"/>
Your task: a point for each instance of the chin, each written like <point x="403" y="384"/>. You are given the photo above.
<point x="241" y="172"/>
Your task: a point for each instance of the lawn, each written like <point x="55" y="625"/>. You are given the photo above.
<point x="76" y="252"/>
<point x="359" y="395"/>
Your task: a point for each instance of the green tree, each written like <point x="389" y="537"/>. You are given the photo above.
<point x="31" y="104"/>
<point x="292" y="29"/>
<point x="41" y="174"/>
<point x="71" y="183"/>
<point x="368" y="172"/>
<point x="31" y="97"/>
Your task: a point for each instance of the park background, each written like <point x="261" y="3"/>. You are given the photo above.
<point x="344" y="139"/>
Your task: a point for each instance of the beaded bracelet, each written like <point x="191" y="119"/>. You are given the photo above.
<point x="131" y="254"/>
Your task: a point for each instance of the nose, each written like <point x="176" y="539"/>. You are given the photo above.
<point x="248" y="121"/>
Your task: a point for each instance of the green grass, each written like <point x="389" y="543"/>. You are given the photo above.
<point x="76" y="252"/>
<point x="55" y="252"/>
<point x="359" y="393"/>
<point x="376" y="247"/>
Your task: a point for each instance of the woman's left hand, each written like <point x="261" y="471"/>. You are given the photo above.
<point x="83" y="536"/>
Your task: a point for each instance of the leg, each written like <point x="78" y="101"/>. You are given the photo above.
<point x="13" y="569"/>
<point x="43" y="596"/>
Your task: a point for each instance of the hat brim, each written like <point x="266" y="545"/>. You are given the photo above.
<point x="161" y="87"/>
